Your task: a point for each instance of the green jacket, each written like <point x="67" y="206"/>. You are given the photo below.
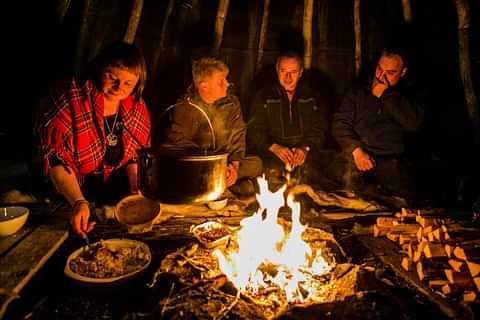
<point x="190" y="128"/>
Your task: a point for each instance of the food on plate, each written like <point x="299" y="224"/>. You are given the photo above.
<point x="102" y="260"/>
<point x="211" y="233"/>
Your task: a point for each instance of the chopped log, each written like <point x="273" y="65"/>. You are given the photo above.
<point x="417" y="254"/>
<point x="476" y="281"/>
<point x="440" y="234"/>
<point x="431" y="269"/>
<point x="467" y="252"/>
<point x="450" y="288"/>
<point x="434" y="250"/>
<point x="437" y="283"/>
<point x="407" y="264"/>
<point x="427" y="221"/>
<point x="379" y="232"/>
<point x="423" y="232"/>
<point x="462" y="278"/>
<point x="469" y="296"/>
<point x="457" y="265"/>
<point x="393" y="236"/>
<point x="387" y="221"/>
<point x="407" y="238"/>
<point x="449" y="250"/>
<point x="474" y="268"/>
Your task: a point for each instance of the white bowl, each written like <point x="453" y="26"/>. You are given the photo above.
<point x="12" y="219"/>
<point x="218" y="204"/>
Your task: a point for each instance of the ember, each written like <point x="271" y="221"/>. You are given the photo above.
<point x="268" y="256"/>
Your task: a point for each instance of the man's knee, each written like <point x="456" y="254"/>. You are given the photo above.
<point x="250" y="167"/>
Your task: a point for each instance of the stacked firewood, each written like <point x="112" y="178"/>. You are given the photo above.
<point x="444" y="256"/>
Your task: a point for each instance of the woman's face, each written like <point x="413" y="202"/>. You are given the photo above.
<point x="118" y="83"/>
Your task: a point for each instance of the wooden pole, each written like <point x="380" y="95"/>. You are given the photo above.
<point x="263" y="32"/>
<point x="323" y="33"/>
<point x="159" y="49"/>
<point x="307" y="33"/>
<point x="407" y="11"/>
<point x="82" y="36"/>
<point x="358" y="37"/>
<point x="62" y="8"/>
<point x="220" y="22"/>
<point x="135" y="15"/>
<point x="463" y="14"/>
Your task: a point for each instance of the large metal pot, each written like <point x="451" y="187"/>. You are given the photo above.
<point x="170" y="177"/>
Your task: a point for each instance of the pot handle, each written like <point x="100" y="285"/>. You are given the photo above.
<point x="201" y="111"/>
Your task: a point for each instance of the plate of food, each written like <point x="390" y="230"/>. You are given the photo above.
<point x="212" y="233"/>
<point x="108" y="261"/>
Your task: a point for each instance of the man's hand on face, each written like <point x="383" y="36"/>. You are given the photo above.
<point x="283" y="153"/>
<point x="362" y="160"/>
<point x="379" y="86"/>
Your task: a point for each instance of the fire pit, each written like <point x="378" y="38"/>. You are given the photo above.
<point x="269" y="265"/>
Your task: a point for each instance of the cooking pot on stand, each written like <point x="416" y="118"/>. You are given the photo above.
<point x="172" y="174"/>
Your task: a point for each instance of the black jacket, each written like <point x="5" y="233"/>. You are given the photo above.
<point x="302" y="123"/>
<point x="377" y="125"/>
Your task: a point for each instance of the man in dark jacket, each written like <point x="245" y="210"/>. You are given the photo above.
<point x="288" y="126"/>
<point x="209" y="117"/>
<point x="370" y="126"/>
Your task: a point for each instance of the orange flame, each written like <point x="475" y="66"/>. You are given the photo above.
<point x="267" y="255"/>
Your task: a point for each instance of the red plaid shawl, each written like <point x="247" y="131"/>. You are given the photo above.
<point x="73" y="128"/>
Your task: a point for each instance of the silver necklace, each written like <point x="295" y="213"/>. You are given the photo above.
<point x="112" y="138"/>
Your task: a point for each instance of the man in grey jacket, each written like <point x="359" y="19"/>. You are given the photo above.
<point x="210" y="104"/>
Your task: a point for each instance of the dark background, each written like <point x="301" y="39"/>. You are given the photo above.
<point x="40" y="47"/>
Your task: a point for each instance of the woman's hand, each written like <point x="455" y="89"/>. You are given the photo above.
<point x="79" y="219"/>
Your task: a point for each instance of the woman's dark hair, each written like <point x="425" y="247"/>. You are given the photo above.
<point x="119" y="55"/>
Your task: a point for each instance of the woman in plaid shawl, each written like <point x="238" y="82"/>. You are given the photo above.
<point x="92" y="129"/>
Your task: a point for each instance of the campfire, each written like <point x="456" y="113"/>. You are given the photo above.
<point x="268" y="256"/>
<point x="269" y="265"/>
